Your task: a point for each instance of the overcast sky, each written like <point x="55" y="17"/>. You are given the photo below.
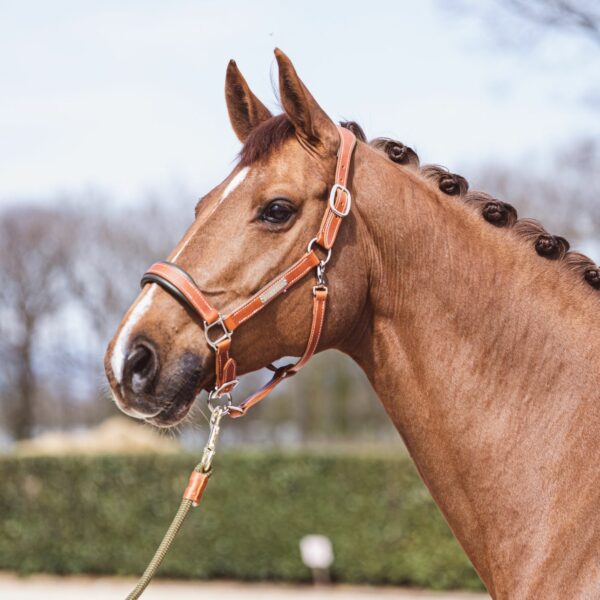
<point x="127" y="97"/>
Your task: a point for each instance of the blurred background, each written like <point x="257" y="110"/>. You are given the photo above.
<point x="113" y="123"/>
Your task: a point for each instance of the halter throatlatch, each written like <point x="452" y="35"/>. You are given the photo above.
<point x="218" y="328"/>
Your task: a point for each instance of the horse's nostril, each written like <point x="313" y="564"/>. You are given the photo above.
<point x="141" y="367"/>
<point x="141" y="361"/>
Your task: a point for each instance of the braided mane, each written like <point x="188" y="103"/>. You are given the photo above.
<point x="494" y="211"/>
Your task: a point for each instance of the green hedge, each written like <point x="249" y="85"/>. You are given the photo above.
<point x="106" y="514"/>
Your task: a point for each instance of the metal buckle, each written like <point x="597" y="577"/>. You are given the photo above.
<point x="225" y="336"/>
<point x="332" y="195"/>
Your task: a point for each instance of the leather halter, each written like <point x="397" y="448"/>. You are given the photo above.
<point x="218" y="328"/>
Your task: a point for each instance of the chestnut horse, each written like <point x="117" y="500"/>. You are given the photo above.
<point x="478" y="331"/>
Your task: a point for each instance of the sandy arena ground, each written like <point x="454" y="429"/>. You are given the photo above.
<point x="13" y="587"/>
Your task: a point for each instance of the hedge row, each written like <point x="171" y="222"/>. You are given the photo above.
<point x="106" y="514"/>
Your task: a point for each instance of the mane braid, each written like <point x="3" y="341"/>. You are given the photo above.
<point x="545" y="244"/>
<point x="584" y="267"/>
<point x="496" y="212"/>
<point x="448" y="183"/>
<point x="396" y="151"/>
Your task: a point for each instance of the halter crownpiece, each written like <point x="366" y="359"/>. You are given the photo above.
<point x="218" y="329"/>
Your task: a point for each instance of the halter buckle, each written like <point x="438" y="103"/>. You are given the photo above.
<point x="333" y="194"/>
<point x="226" y="335"/>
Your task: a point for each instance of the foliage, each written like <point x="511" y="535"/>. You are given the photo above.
<point x="106" y="514"/>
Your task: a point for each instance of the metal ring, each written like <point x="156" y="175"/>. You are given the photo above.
<point x="310" y="247"/>
<point x="217" y="394"/>
<point x="225" y="406"/>
<point x="225" y="336"/>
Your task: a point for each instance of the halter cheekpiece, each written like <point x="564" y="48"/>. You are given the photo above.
<point x="218" y="328"/>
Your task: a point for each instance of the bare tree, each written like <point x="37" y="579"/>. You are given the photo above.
<point x="114" y="247"/>
<point x="68" y="275"/>
<point x="34" y="255"/>
<point x="564" y="195"/>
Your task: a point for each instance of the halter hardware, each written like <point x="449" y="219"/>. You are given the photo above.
<point x="310" y="247"/>
<point x="344" y="212"/>
<point x="173" y="279"/>
<point x="226" y="335"/>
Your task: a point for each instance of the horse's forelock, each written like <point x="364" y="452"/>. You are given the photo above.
<point x="265" y="139"/>
<point x="270" y="135"/>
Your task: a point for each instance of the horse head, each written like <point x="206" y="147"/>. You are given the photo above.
<point x="247" y="230"/>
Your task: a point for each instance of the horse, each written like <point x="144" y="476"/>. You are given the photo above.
<point x="477" y="330"/>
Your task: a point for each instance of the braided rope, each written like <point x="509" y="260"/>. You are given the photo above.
<point x="161" y="551"/>
<point x="191" y="497"/>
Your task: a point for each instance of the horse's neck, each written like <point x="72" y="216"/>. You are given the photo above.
<point x="486" y="359"/>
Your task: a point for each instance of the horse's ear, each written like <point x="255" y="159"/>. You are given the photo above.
<point x="313" y="127"/>
<point x="246" y="111"/>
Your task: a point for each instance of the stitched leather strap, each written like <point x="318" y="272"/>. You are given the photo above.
<point x="226" y="368"/>
<point x="272" y="290"/>
<point x="340" y="199"/>
<point x="170" y="276"/>
<point x="318" y="318"/>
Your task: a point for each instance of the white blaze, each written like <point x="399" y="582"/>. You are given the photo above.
<point x="183" y="244"/>
<point x="241" y="175"/>
<point x="117" y="360"/>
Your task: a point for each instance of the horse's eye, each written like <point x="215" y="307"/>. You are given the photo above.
<point x="278" y="211"/>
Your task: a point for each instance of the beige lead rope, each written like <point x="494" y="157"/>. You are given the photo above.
<point x="191" y="497"/>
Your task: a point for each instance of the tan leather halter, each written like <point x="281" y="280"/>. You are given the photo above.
<point x="218" y="328"/>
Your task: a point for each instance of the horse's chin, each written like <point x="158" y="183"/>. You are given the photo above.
<point x="174" y="413"/>
<point x="176" y="409"/>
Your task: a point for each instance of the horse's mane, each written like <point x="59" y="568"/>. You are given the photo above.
<point x="271" y="134"/>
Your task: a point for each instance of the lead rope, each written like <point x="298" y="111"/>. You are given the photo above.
<point x="191" y="497"/>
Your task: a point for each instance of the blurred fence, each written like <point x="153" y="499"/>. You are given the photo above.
<point x="106" y="515"/>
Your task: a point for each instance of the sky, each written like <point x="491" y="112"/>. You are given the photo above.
<point x="127" y="97"/>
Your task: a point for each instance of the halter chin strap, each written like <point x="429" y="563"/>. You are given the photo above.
<point x="218" y="328"/>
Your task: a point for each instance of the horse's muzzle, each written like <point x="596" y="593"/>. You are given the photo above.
<point x="160" y="392"/>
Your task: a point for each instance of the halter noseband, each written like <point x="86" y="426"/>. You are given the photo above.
<point x="218" y="329"/>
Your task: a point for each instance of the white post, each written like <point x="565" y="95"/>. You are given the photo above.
<point x="317" y="554"/>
